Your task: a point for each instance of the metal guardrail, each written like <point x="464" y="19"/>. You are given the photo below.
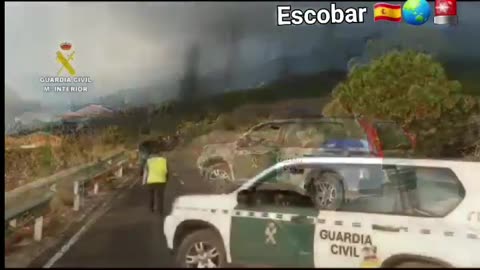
<point x="16" y="211"/>
<point x="59" y="177"/>
<point x="38" y="193"/>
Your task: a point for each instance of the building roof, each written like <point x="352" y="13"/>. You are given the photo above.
<point x="88" y="112"/>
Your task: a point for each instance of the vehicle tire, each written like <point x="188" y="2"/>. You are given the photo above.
<point x="326" y="190"/>
<point x="201" y="249"/>
<point x="416" y="264"/>
<point x="219" y="177"/>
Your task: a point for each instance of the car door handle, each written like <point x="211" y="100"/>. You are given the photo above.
<point x="300" y="220"/>
<point x="385" y="228"/>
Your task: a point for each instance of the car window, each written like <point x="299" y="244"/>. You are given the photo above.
<point x="290" y="138"/>
<point x="313" y="135"/>
<point x="268" y="133"/>
<point x="437" y="191"/>
<point x="401" y="190"/>
<point x="369" y="189"/>
<point x="392" y="136"/>
<point x="317" y="134"/>
<point x="282" y="188"/>
<point x="285" y="178"/>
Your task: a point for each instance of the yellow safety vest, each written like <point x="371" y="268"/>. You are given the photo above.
<point x="157" y="170"/>
<point x="370" y="263"/>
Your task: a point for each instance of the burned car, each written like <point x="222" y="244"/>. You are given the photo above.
<point x="267" y="143"/>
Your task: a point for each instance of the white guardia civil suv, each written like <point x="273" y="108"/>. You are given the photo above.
<point x="394" y="213"/>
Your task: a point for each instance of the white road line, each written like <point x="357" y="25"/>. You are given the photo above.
<point x="82" y="230"/>
<point x="75" y="238"/>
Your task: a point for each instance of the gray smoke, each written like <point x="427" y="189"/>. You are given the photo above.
<point x="134" y="45"/>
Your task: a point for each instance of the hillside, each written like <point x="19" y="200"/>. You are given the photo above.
<point x="294" y="72"/>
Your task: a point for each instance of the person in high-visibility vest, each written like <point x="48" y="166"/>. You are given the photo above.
<point x="155" y="176"/>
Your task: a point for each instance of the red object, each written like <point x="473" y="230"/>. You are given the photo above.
<point x="372" y="137"/>
<point x="445" y="12"/>
<point x="386" y="10"/>
<point x="66" y="46"/>
<point x="374" y="140"/>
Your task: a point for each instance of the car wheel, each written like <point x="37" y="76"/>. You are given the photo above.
<point x="218" y="175"/>
<point x="326" y="190"/>
<point x="201" y="249"/>
<point x="414" y="264"/>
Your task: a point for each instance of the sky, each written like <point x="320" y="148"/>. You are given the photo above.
<point x="126" y="45"/>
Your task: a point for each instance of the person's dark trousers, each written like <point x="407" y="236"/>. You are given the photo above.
<point x="156" y="196"/>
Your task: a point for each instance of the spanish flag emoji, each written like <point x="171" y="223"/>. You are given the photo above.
<point x="387" y="12"/>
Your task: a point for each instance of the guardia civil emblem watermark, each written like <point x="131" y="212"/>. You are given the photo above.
<point x="270" y="232"/>
<point x="66" y="58"/>
<point x="66" y="79"/>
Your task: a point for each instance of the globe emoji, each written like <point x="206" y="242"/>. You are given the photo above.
<point x="416" y="12"/>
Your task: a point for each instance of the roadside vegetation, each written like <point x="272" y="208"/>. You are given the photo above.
<point x="42" y="158"/>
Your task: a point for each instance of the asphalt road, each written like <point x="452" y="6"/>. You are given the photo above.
<point x="127" y="235"/>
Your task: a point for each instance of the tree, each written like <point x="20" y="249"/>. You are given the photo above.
<point x="412" y="89"/>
